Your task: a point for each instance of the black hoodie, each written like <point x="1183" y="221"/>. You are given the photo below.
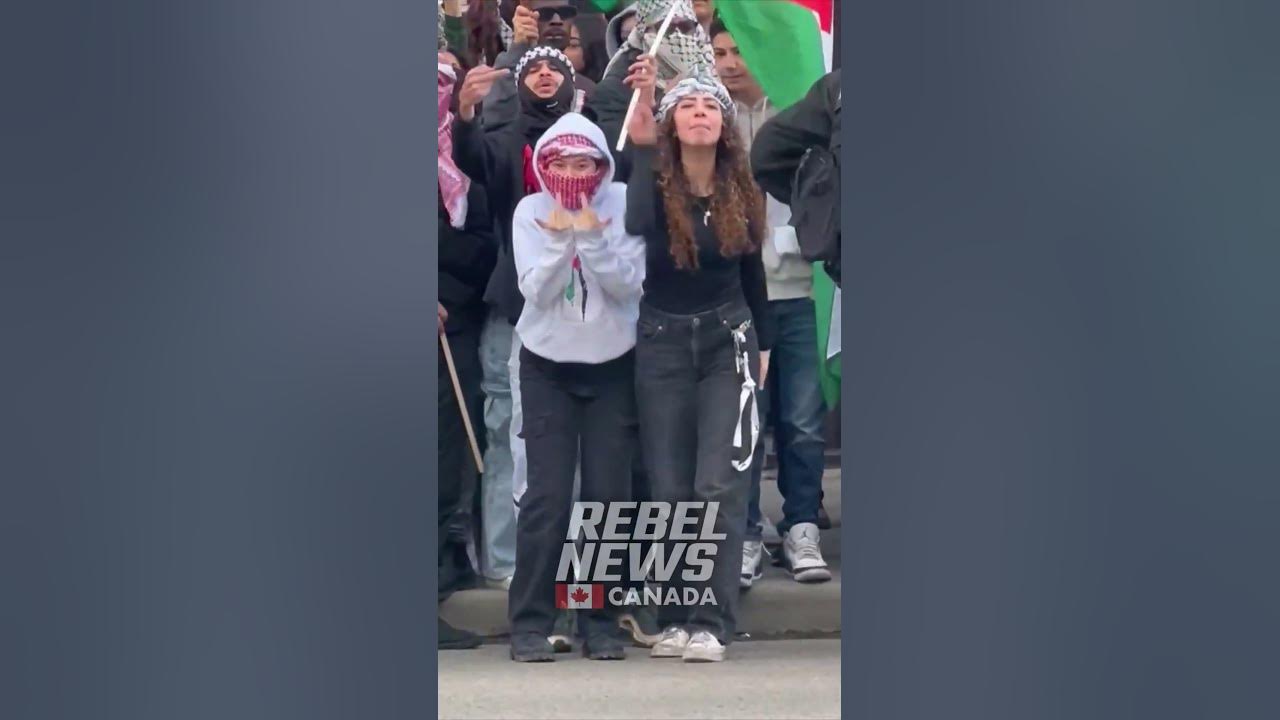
<point x="783" y="140"/>
<point x="495" y="159"/>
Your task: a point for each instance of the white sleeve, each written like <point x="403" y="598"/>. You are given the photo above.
<point x="543" y="260"/>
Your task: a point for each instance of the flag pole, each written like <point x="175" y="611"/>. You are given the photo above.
<point x="462" y="403"/>
<point x="635" y="94"/>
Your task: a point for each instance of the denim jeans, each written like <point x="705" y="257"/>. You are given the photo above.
<point x="687" y="393"/>
<point x="793" y="401"/>
<point x="497" y="556"/>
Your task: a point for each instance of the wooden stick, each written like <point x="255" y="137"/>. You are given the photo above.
<point x="462" y="402"/>
<point x="635" y="94"/>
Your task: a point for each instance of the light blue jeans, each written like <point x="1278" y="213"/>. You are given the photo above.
<point x="504" y="454"/>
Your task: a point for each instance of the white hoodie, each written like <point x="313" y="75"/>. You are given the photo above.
<point x="556" y="322"/>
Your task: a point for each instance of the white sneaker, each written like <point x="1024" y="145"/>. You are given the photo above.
<point x="672" y="645"/>
<point x="753" y="555"/>
<point x="703" y="647"/>
<point x="803" y="554"/>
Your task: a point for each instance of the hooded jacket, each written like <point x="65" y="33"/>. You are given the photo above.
<point x="567" y="317"/>
<point x="494" y="157"/>
<point x="613" y="36"/>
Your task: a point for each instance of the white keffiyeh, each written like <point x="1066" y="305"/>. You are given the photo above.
<point x="681" y="54"/>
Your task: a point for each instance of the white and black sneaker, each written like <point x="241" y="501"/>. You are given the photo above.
<point x="753" y="555"/>
<point x="672" y="645"/>
<point x="703" y="647"/>
<point x="803" y="555"/>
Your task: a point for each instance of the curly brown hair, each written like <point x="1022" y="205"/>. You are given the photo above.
<point x="737" y="205"/>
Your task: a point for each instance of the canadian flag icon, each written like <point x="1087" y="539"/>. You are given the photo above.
<point x="577" y="596"/>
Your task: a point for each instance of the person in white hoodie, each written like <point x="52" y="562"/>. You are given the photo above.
<point x="581" y="276"/>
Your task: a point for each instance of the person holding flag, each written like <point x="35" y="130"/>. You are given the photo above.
<point x="684" y="50"/>
<point x="704" y="332"/>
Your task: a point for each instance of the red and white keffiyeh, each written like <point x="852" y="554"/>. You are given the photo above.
<point x="569" y="190"/>
<point x="454" y="184"/>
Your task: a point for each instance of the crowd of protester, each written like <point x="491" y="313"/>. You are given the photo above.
<point x="617" y="320"/>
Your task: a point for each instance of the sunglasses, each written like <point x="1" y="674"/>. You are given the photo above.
<point x="566" y="12"/>
<point x="678" y="26"/>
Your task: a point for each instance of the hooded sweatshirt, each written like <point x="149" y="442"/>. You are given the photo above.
<point x="581" y="289"/>
<point x="613" y="36"/>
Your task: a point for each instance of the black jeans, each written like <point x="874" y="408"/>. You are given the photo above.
<point x="568" y="407"/>
<point x="456" y="468"/>
<point x="687" y="389"/>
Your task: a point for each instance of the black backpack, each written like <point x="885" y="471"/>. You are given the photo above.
<point x="815" y="202"/>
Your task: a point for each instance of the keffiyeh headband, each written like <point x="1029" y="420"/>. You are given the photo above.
<point x="697" y="85"/>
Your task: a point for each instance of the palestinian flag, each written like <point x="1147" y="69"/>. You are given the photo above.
<point x="787" y="44"/>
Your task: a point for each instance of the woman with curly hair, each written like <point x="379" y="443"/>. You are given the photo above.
<point x="703" y="333"/>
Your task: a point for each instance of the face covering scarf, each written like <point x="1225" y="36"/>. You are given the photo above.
<point x="680" y="53"/>
<point x="570" y="191"/>
<point x="453" y="183"/>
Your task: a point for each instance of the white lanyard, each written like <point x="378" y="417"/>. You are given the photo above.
<point x="743" y="360"/>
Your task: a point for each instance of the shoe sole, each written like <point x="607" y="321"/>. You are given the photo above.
<point x="812" y="575"/>
<point x="704" y="656"/>
<point x="660" y="652"/>
<point x="607" y="655"/>
<point x="533" y="658"/>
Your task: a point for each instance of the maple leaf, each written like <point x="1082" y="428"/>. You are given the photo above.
<point x="579" y="595"/>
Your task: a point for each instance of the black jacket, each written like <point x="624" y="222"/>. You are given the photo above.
<point x="783" y="140"/>
<point x="607" y="107"/>
<point x="495" y="159"/>
<point x="465" y="262"/>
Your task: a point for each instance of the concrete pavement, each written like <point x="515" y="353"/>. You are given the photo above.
<point x="793" y="679"/>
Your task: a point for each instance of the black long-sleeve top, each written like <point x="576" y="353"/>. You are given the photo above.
<point x="717" y="280"/>
<point x="465" y="262"/>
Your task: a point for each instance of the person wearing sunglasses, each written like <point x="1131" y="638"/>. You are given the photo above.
<point x="537" y="23"/>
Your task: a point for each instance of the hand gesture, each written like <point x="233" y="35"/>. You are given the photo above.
<point x="479" y="82"/>
<point x="559" y="220"/>
<point x="525" y="25"/>
<point x="586" y="220"/>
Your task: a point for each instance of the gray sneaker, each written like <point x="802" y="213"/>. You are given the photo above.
<point x="803" y="554"/>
